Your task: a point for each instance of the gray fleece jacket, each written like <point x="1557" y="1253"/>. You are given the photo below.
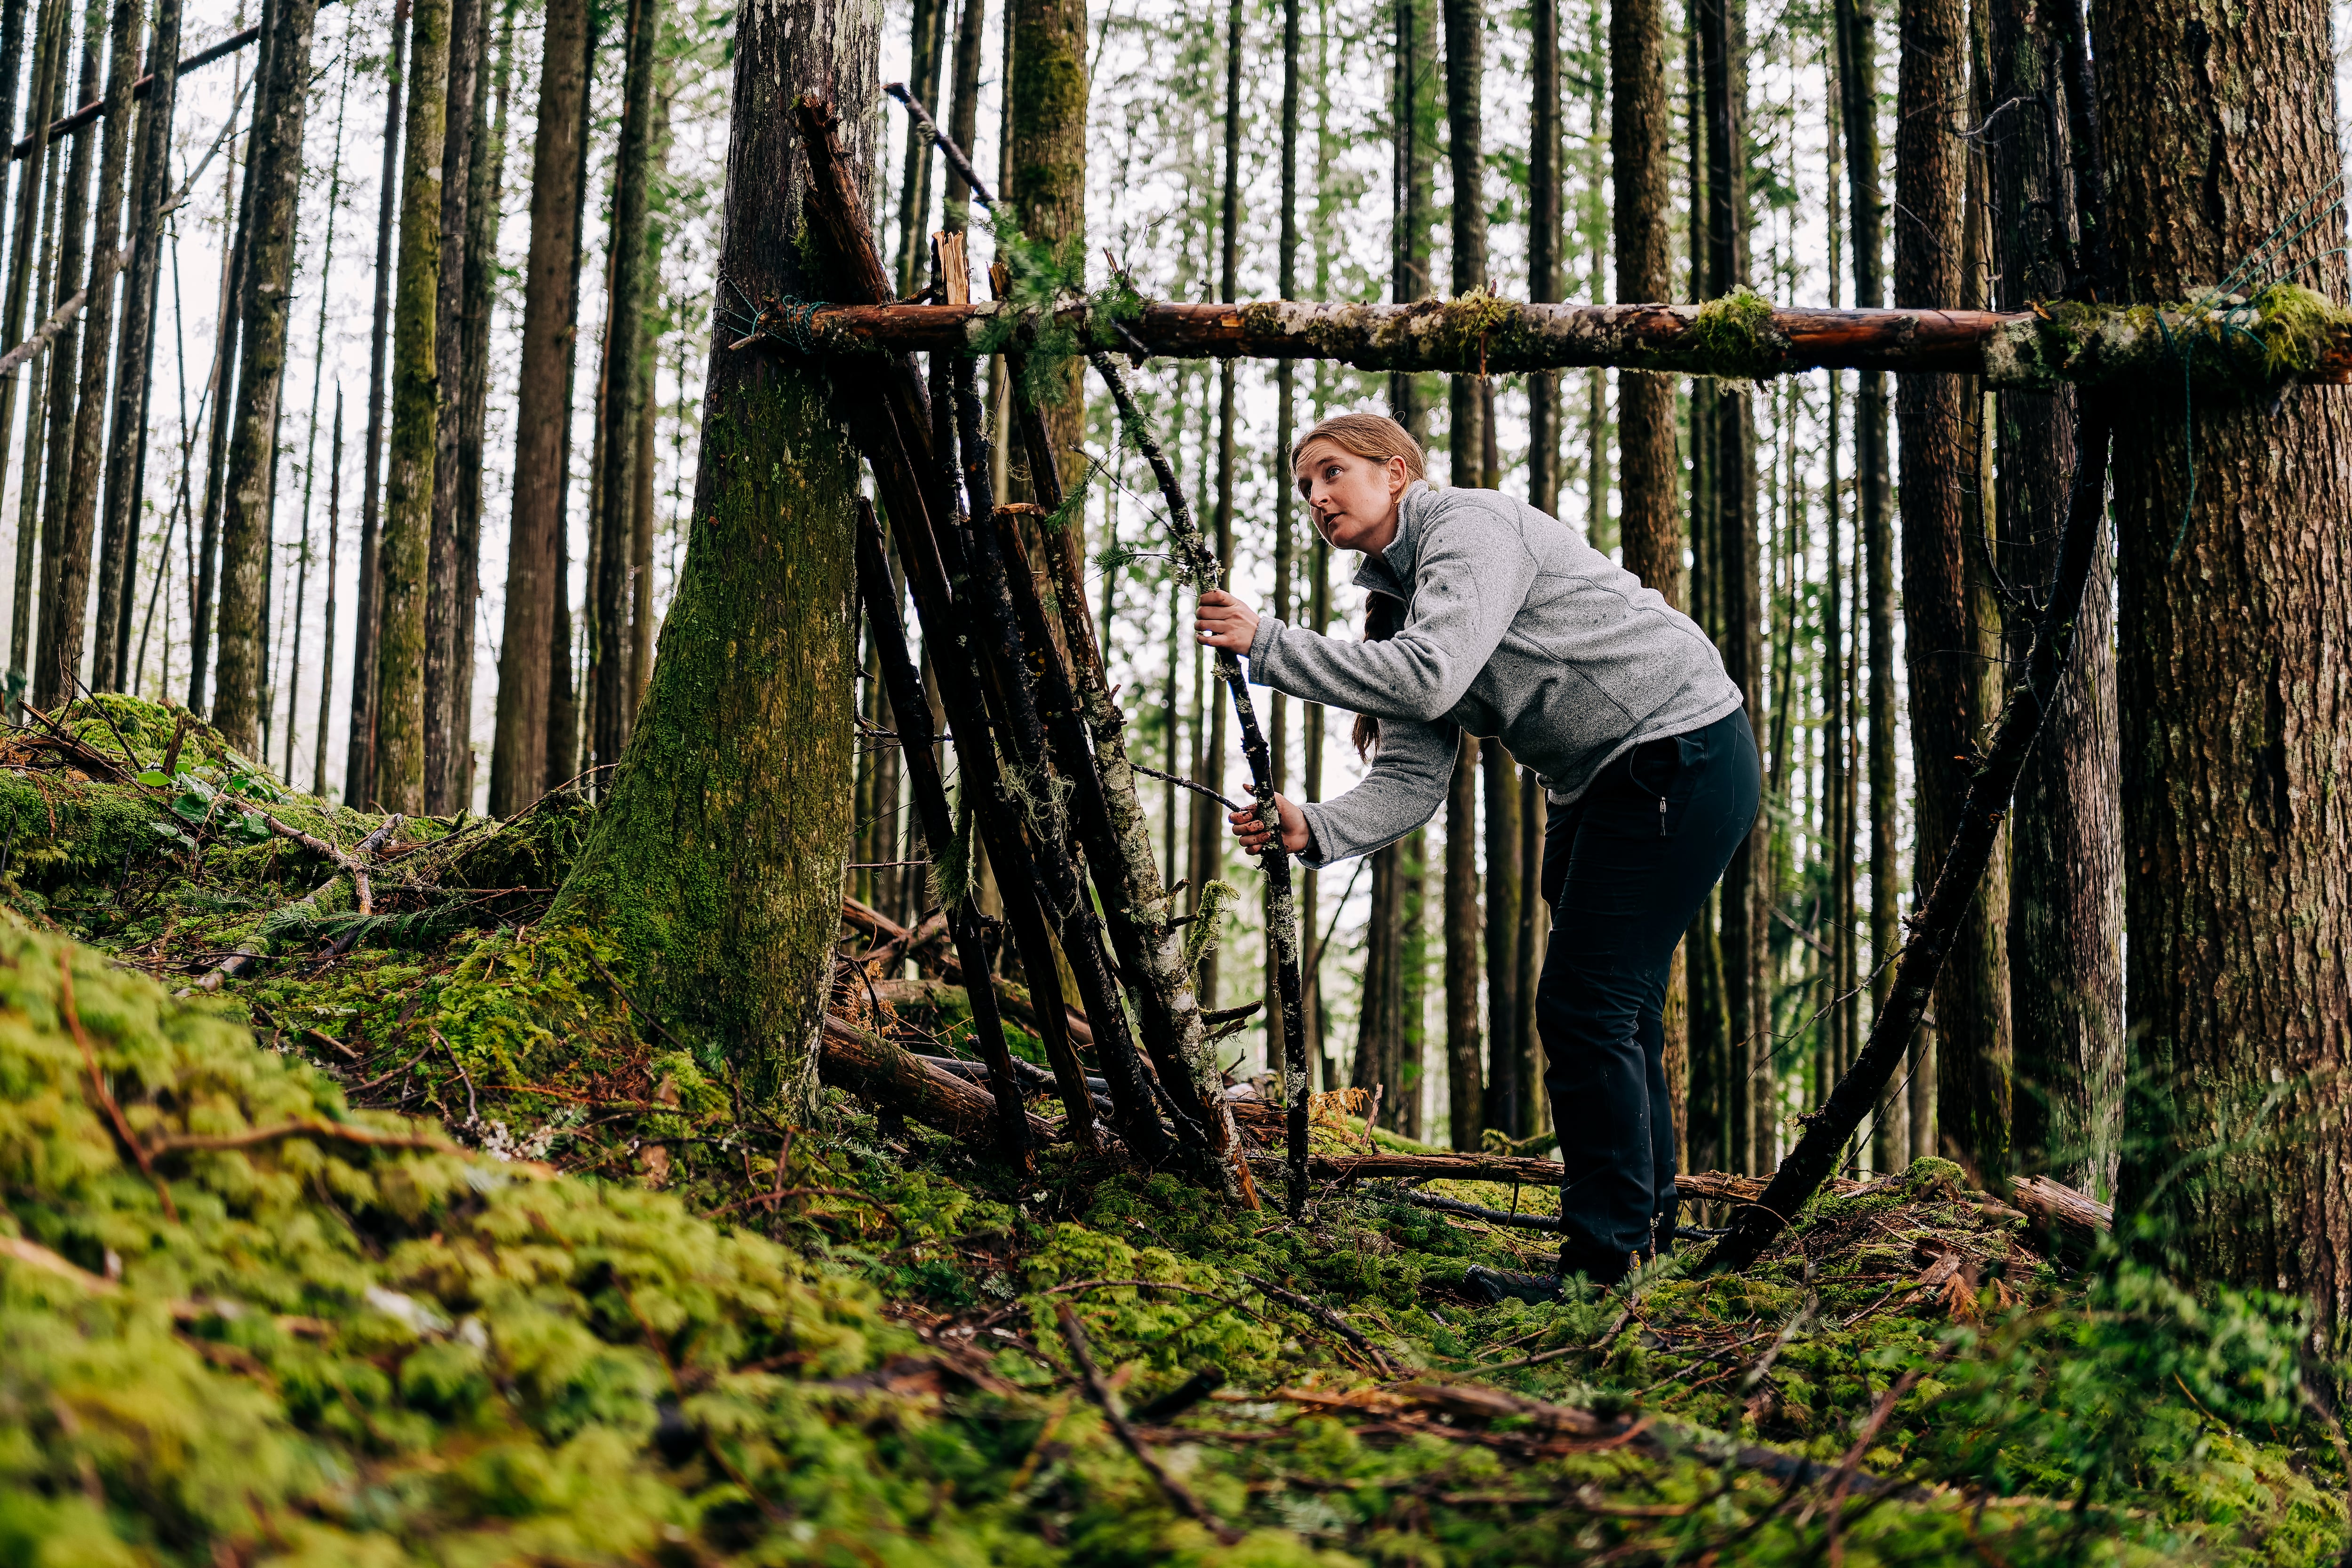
<point x="1515" y="627"/>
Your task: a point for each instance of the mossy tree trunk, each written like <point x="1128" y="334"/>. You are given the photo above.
<point x="2232" y="682"/>
<point x="716" y="862"/>
<point x="1465" y="76"/>
<point x="126" y="459"/>
<point x="65" y="354"/>
<point x="240" y="696"/>
<point x="404" y="553"/>
<point x="486" y="173"/>
<point x="1950" y="699"/>
<point x="65" y="629"/>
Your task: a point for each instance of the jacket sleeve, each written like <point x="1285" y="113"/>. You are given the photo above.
<point x="1403" y="790"/>
<point x="1472" y="578"/>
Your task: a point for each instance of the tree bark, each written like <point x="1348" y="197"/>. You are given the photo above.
<point x="327" y="633"/>
<point x="359" y="755"/>
<point x="404" y="555"/>
<point x="963" y="107"/>
<point x="126" y="462"/>
<point x="66" y="373"/>
<point x="1286" y="430"/>
<point x="624" y="391"/>
<point x="1461" y="1042"/>
<point x="2065" y="909"/>
<point x="716" y="862"/>
<point x="486" y="173"/>
<point x="927" y="39"/>
<point x="294" y="644"/>
<point x="1941" y="636"/>
<point x="562" y="687"/>
<point x="1731" y="460"/>
<point x="444" y="618"/>
<point x="1506" y="1083"/>
<point x="1045" y="180"/>
<point x="1415" y="120"/>
<point x="1543" y="257"/>
<point x="1466" y="72"/>
<point x="241" y="693"/>
<point x="32" y="203"/>
<point x="2231" y="682"/>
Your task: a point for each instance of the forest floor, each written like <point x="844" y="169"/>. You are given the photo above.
<point x="419" y="1242"/>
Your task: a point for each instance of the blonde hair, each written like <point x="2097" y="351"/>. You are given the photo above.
<point x="1373" y="435"/>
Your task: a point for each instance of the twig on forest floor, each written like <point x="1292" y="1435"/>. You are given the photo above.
<point x="473" y="1111"/>
<point x="98" y="1085"/>
<point x="1174" y="1489"/>
<point x="1382" y="1363"/>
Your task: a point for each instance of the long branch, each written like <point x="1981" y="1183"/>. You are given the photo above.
<point x="1281" y="908"/>
<point x="1921" y="960"/>
<point x="2028" y="350"/>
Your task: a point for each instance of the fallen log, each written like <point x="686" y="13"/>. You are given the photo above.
<point x="1012" y="997"/>
<point x="2073" y="1220"/>
<point x="2282" y="336"/>
<point x="872" y="1068"/>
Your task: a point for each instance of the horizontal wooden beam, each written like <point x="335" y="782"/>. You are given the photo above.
<point x="2288" y="334"/>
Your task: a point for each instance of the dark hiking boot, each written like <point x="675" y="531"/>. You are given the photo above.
<point x="1493" y="1286"/>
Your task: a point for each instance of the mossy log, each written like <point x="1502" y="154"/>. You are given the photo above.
<point x="872" y="1068"/>
<point x="2285" y="334"/>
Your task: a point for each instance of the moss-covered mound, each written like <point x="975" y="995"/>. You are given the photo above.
<point x="584" y="1304"/>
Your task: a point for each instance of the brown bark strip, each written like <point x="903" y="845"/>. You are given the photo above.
<point x="2025" y="350"/>
<point x="873" y="1068"/>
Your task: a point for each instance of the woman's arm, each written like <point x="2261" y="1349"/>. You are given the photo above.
<point x="1472" y="578"/>
<point x="1404" y="789"/>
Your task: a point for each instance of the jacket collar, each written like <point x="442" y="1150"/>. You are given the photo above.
<point x="1390" y="571"/>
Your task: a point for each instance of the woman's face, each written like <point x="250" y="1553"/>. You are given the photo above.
<point x="1352" y="499"/>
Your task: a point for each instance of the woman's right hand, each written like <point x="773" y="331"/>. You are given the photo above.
<point x="1249" y="827"/>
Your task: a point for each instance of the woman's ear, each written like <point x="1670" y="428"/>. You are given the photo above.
<point x="1398" y="478"/>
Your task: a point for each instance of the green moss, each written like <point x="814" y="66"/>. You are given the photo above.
<point x="2296" y="325"/>
<point x="1734" y="337"/>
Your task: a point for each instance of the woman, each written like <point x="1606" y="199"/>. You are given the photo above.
<point x="1507" y="623"/>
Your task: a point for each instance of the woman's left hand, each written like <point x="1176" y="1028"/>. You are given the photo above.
<point x="1223" y="621"/>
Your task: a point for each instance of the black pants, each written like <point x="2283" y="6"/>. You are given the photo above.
<point x="1625" y="869"/>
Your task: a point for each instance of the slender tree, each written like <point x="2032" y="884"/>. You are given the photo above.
<point x="293" y="664"/>
<point x="963" y="107"/>
<point x="715" y="866"/>
<point x="126" y="460"/>
<point x="1413" y="116"/>
<point x="486" y="173"/>
<point x="358" y="758"/>
<point x="550" y="314"/>
<point x="2231" y="684"/>
<point x="928" y="37"/>
<point x="404" y="551"/>
<point x="1947" y="689"/>
<point x="562" y="688"/>
<point x="241" y="694"/>
<point x="39" y="173"/>
<point x="1286" y="400"/>
<point x="1208" y="827"/>
<point x="327" y="632"/>
<point x="623" y="389"/>
<point x="446" y="623"/>
<point x="66" y="372"/>
<point x="1732" y="502"/>
<point x="2065" y="907"/>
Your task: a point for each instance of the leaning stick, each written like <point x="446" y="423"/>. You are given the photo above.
<point x="941" y="139"/>
<point x="1281" y="908"/>
<point x="913" y="711"/>
<point x="1921" y="960"/>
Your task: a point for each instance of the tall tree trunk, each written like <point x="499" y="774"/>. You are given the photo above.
<point x="1415" y="120"/>
<point x="327" y="633"/>
<point x="1648" y="470"/>
<point x="2065" y="905"/>
<point x="562" y="687"/>
<point x="963" y="107"/>
<point x="725" y="899"/>
<point x="33" y="201"/>
<point x="1380" y="1021"/>
<point x="1857" y="44"/>
<point x="1208" y="824"/>
<point x="623" y="389"/>
<point x="126" y="461"/>
<point x="66" y="373"/>
<point x="2231" y="681"/>
<point x="927" y="38"/>
<point x="404" y="555"/>
<point x="1543" y="261"/>
<point x="238" y="702"/>
<point x="292" y="660"/>
<point x="1940" y="633"/>
<point x="1465" y="73"/>
<point x="359" y="755"/>
<point x="1285" y="394"/>
<point x="486" y="173"/>
<point x="1506" y="1085"/>
<point x="1731" y="460"/>
<point x="445" y="619"/>
<point x="531" y="642"/>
